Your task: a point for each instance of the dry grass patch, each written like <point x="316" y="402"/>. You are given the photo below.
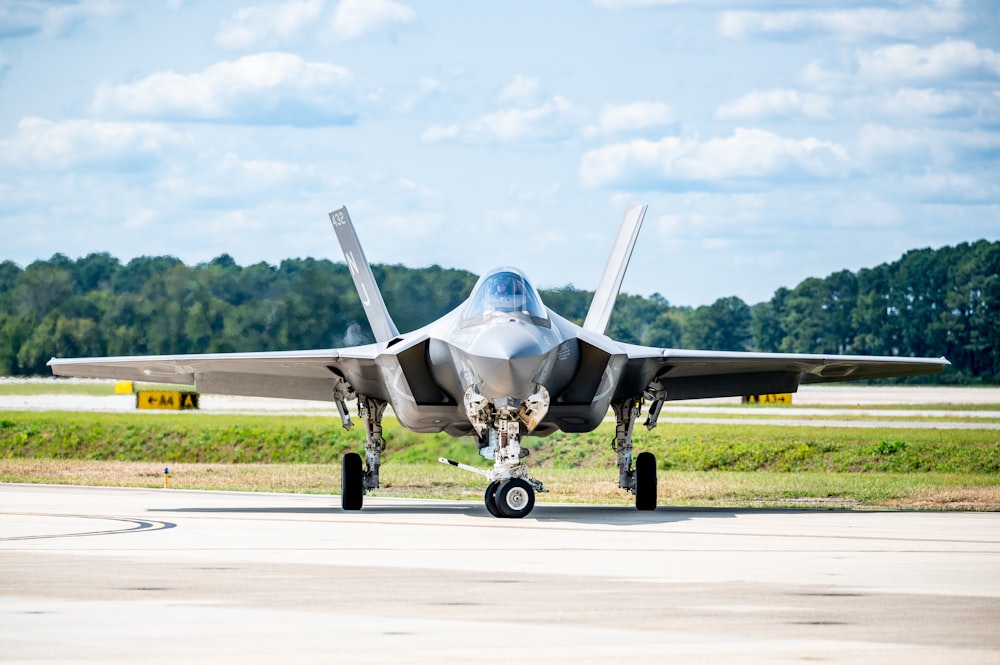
<point x="589" y="485"/>
<point x="958" y="498"/>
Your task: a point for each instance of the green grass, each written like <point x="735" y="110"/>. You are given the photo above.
<point x="699" y="464"/>
<point x="56" y="388"/>
<point x="233" y="439"/>
<point x="944" y="406"/>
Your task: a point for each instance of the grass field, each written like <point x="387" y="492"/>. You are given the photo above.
<point x="699" y="464"/>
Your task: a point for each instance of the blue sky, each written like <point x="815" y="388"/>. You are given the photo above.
<point x="771" y="144"/>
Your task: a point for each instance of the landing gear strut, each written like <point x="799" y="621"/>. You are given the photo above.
<point x="510" y="493"/>
<point x="355" y="482"/>
<point x="641" y="480"/>
<point x="499" y="424"/>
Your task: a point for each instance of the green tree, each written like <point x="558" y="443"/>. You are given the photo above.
<point x="722" y="326"/>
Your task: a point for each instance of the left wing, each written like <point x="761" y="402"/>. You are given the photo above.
<point x="672" y="374"/>
<point x="318" y="375"/>
<point x="325" y="374"/>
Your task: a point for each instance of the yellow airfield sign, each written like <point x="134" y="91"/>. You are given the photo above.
<point x="170" y="400"/>
<point x="776" y="398"/>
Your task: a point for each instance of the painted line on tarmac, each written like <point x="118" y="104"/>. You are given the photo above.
<point x="138" y="526"/>
<point x="789" y="422"/>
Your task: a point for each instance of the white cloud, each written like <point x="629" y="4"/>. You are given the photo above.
<point x="263" y="88"/>
<point x="941" y="62"/>
<point x="553" y="119"/>
<point x="949" y="64"/>
<point x="923" y="149"/>
<point x="426" y="87"/>
<point x="50" y="18"/>
<point x="880" y="144"/>
<point x="952" y="187"/>
<point x="748" y="153"/>
<point x="57" y="145"/>
<point x="923" y="101"/>
<point x="522" y="91"/>
<point x="758" y="104"/>
<point x="637" y="116"/>
<point x="268" y="25"/>
<point x="556" y="119"/>
<point x="436" y="133"/>
<point x="637" y="4"/>
<point x="943" y="17"/>
<point x="353" y="19"/>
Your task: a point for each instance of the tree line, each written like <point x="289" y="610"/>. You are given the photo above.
<point x="943" y="302"/>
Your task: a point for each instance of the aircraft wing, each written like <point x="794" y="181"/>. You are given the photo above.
<point x="674" y="374"/>
<point x="313" y="375"/>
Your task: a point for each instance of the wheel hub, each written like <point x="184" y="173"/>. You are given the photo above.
<point x="517" y="498"/>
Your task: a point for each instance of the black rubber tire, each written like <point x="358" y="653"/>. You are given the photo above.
<point x="515" y="498"/>
<point x="352" y="486"/>
<point x="645" y="481"/>
<point x="491" y="499"/>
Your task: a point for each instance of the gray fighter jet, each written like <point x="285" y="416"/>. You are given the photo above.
<point x="500" y="367"/>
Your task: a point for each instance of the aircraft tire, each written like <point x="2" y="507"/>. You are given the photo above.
<point x="352" y="487"/>
<point x="491" y="499"/>
<point x="515" y="498"/>
<point x="645" y="481"/>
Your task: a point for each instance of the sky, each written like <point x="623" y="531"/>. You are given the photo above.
<point x="771" y="141"/>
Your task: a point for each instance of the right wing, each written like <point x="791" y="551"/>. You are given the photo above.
<point x="673" y="374"/>
<point x="316" y="375"/>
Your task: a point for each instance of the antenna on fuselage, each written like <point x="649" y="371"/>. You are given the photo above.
<point x="364" y="281"/>
<point x="611" y="281"/>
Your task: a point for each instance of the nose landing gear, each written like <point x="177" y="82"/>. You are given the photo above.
<point x="511" y="498"/>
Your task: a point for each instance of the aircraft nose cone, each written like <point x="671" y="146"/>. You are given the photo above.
<point x="507" y="342"/>
<point x="507" y="359"/>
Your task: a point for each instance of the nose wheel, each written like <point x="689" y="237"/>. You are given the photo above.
<point x="491" y="499"/>
<point x="514" y="498"/>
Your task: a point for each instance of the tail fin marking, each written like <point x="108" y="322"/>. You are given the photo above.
<point x="364" y="281"/>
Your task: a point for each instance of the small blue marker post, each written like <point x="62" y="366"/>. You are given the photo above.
<point x="166" y="477"/>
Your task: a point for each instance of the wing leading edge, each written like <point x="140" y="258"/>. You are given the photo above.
<point x="314" y="375"/>
<point x="325" y="374"/>
<point x="673" y="374"/>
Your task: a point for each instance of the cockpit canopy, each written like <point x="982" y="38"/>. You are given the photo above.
<point x="503" y="292"/>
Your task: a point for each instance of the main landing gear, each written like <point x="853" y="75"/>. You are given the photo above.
<point x="510" y="492"/>
<point x="641" y="480"/>
<point x="356" y="481"/>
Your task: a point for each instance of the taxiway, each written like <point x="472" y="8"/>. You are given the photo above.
<point x="119" y="575"/>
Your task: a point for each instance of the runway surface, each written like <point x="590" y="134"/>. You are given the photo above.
<point x="98" y="575"/>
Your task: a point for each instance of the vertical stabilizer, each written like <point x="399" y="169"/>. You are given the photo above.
<point x="611" y="281"/>
<point x="371" y="298"/>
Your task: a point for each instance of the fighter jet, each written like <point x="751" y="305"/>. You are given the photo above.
<point x="499" y="368"/>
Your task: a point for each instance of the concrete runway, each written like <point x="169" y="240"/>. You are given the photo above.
<point x="98" y="575"/>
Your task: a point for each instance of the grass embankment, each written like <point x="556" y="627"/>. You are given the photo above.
<point x="706" y="464"/>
